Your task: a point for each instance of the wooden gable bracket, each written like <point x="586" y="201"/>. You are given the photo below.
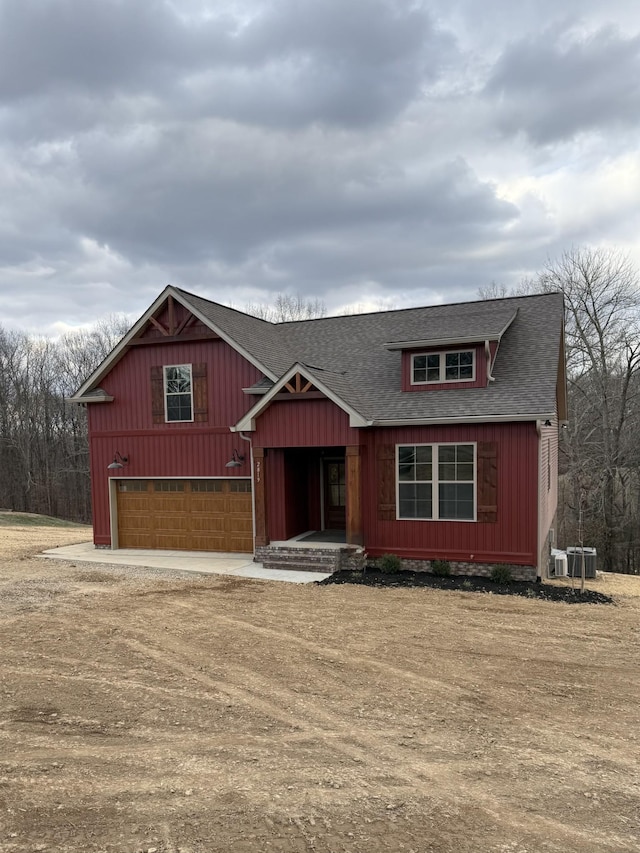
<point x="298" y="387"/>
<point x="173" y="332"/>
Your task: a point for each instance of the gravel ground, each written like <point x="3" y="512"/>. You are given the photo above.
<point x="144" y="710"/>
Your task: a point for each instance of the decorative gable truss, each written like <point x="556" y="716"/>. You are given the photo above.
<point x="172" y="322"/>
<point x="299" y="385"/>
<point x="299" y="380"/>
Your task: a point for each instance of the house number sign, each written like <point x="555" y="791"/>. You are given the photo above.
<point x="258" y="470"/>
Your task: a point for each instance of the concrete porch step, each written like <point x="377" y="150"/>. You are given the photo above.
<point x="306" y="566"/>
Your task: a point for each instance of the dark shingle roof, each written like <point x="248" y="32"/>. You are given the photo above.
<point x="260" y="338"/>
<point x="350" y="354"/>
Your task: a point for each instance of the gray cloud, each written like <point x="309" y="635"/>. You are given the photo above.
<point x="406" y="152"/>
<point x="561" y="82"/>
<point x="292" y="63"/>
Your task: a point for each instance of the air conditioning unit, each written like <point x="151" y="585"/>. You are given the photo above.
<point x="560" y="568"/>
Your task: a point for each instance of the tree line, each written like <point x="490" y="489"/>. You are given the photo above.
<point x="599" y="500"/>
<point x="44" y="448"/>
<point x="44" y="453"/>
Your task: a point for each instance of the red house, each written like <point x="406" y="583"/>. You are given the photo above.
<point x="430" y="433"/>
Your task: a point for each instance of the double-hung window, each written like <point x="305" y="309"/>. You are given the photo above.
<point x="443" y="367"/>
<point x="178" y="393"/>
<point x="436" y="482"/>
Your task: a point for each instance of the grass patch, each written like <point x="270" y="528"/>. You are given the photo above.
<point x="29" y="519"/>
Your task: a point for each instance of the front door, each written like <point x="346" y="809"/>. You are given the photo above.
<point x="334" y="494"/>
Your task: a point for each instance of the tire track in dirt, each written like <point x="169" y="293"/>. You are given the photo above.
<point x="334" y="654"/>
<point x="457" y="693"/>
<point x="170" y="651"/>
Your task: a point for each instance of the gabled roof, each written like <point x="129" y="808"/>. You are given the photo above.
<point x="354" y="359"/>
<point x="248" y="335"/>
<point x="354" y="349"/>
<point x="318" y="378"/>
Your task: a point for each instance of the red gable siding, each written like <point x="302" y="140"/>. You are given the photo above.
<point x="304" y="423"/>
<point x="128" y="383"/>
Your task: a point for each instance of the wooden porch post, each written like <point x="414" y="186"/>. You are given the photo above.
<point x="354" y="495"/>
<point x="260" y="497"/>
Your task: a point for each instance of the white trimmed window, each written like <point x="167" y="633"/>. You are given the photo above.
<point x="178" y="393"/>
<point x="458" y="366"/>
<point x="436" y="482"/>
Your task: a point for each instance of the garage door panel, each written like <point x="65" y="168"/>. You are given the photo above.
<point x="134" y="502"/>
<point x="170" y="503"/>
<point x="207" y="524"/>
<point x="238" y="525"/>
<point x="137" y="539"/>
<point x="210" y="542"/>
<point x="200" y="515"/>
<point x="136" y="523"/>
<point x="172" y="542"/>
<point x="166" y="523"/>
<point x="204" y="503"/>
<point x="240" y="543"/>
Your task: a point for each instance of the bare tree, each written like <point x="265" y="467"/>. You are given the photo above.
<point x="287" y="307"/>
<point x="601" y="457"/>
<point x="44" y="455"/>
<point x="495" y="290"/>
<point x="601" y="288"/>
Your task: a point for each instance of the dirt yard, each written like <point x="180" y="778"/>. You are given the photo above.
<point x="149" y="712"/>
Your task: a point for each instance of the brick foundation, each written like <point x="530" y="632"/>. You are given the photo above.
<point x="482" y="570"/>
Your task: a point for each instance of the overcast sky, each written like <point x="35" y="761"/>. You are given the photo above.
<point x="367" y="152"/>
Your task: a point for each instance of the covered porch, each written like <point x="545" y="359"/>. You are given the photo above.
<point x="308" y="506"/>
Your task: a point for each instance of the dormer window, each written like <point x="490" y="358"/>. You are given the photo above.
<point x="436" y="367"/>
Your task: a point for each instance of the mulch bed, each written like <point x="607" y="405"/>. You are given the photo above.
<point x="527" y="589"/>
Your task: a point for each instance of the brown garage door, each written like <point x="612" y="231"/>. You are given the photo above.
<point x="186" y="515"/>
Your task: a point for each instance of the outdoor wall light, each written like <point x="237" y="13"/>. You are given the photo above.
<point x="236" y="460"/>
<point x="118" y="462"/>
<point x="547" y="423"/>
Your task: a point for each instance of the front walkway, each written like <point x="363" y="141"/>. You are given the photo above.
<point x="199" y="562"/>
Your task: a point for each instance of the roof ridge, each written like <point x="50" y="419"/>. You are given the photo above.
<point x="418" y="308"/>
<point x="188" y="293"/>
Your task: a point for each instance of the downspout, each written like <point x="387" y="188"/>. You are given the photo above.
<point x="487" y="351"/>
<point x="542" y="570"/>
<point x="253" y="490"/>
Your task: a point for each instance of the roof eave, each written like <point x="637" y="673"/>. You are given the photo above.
<point x="468" y="419"/>
<point x="91" y="398"/>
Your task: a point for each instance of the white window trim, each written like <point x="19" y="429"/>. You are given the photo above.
<point x="443" y="354"/>
<point x="435" y="499"/>
<point x="165" y="393"/>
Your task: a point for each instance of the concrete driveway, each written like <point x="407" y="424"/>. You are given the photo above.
<point x="200" y="562"/>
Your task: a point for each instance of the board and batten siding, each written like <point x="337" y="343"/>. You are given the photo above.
<point x="303" y="422"/>
<point x="547" y="489"/>
<point x="512" y="538"/>
<point x="155" y="450"/>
